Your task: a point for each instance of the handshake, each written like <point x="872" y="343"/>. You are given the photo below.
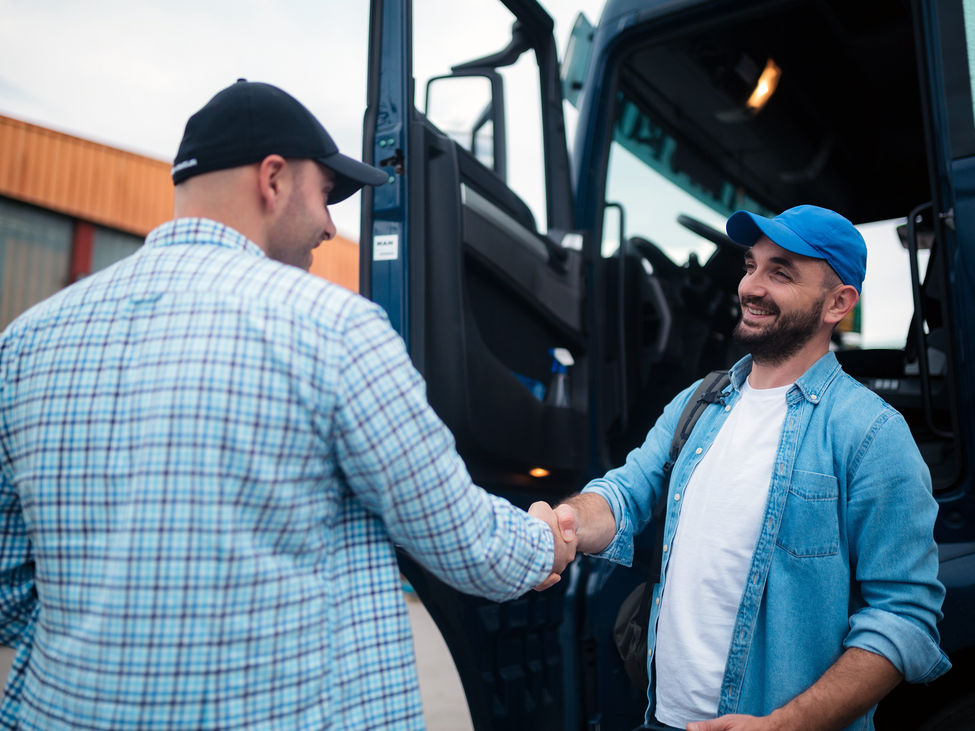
<point x="564" y="523"/>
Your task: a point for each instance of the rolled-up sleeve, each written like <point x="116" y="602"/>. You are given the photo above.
<point x="891" y="516"/>
<point x="400" y="461"/>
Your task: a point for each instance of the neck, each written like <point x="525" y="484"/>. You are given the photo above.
<point x="226" y="196"/>
<point x="773" y="375"/>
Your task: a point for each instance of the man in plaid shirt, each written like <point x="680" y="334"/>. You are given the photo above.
<point x="209" y="455"/>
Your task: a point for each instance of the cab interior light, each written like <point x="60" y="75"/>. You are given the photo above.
<point x="765" y="87"/>
<point x="538" y="472"/>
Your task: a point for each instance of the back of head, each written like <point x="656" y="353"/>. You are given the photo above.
<point x="248" y="121"/>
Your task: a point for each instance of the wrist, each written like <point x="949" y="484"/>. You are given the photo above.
<point x="783" y="719"/>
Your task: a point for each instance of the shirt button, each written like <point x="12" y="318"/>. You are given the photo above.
<point x="814" y="397"/>
<point x="677" y="496"/>
<point x="699" y="450"/>
<point x="728" y="407"/>
<point x="658" y="600"/>
<point x="665" y="547"/>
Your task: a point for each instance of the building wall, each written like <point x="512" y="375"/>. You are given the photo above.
<point x="71" y="207"/>
<point x="38" y="251"/>
<point x="337" y="261"/>
<point x="35" y="256"/>
<point x="83" y="179"/>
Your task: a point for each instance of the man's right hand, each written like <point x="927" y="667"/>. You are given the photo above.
<point x="585" y="522"/>
<point x="568" y="522"/>
<point x="565" y="548"/>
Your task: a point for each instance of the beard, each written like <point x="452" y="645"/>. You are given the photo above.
<point x="782" y="339"/>
<point x="296" y="233"/>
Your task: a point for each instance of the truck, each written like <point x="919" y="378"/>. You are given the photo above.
<point x="550" y="343"/>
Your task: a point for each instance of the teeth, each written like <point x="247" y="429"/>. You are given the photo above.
<point x="756" y="311"/>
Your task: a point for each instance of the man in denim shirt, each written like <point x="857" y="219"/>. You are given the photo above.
<point x="799" y="578"/>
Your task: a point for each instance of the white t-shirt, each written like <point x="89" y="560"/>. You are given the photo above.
<point x="720" y="520"/>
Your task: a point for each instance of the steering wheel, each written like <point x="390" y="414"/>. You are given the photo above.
<point x="722" y="241"/>
<point x="663" y="265"/>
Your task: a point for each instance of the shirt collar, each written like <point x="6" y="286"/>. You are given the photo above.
<point x="810" y="384"/>
<point x="201" y="231"/>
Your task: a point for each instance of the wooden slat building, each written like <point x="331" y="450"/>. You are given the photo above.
<point x="70" y="207"/>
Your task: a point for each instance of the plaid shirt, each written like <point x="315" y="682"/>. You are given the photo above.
<point x="207" y="458"/>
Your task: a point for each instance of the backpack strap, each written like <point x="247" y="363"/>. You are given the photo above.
<point x="707" y="392"/>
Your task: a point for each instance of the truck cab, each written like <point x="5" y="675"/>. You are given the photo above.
<point x="552" y="323"/>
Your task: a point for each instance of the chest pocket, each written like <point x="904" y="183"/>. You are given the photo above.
<point x="810" y="524"/>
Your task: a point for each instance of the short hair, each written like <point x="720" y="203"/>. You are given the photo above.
<point x="831" y="280"/>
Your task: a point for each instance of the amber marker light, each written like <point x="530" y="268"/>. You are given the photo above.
<point x="538" y="472"/>
<point x="765" y="87"/>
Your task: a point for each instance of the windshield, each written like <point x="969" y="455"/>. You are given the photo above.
<point x="656" y="179"/>
<point x="655" y="183"/>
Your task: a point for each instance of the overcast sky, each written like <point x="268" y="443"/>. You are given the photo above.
<point x="129" y="73"/>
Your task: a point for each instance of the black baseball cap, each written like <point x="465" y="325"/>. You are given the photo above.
<point x="248" y="121"/>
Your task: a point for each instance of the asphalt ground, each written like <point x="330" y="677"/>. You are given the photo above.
<point x="444" y="703"/>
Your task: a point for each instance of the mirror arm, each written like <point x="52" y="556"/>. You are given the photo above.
<point x="520" y="42"/>
<point x="485" y="117"/>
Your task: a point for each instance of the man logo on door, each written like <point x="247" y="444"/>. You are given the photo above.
<point x="385" y="248"/>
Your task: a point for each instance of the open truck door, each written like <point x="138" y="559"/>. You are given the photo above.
<point x="941" y="337"/>
<point x="491" y="310"/>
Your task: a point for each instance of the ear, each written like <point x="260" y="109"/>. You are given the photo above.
<point x="839" y="303"/>
<point x="274" y="182"/>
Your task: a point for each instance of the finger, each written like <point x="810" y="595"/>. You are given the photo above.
<point x="551" y="581"/>
<point x="542" y="510"/>
<point x="568" y="522"/>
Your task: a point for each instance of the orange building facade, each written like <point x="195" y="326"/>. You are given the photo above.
<point x="70" y="207"/>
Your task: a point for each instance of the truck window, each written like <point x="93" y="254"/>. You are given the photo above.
<point x="886" y="306"/>
<point x="651" y="203"/>
<point x="436" y="52"/>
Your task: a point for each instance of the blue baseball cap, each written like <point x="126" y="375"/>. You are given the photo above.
<point x="810" y="231"/>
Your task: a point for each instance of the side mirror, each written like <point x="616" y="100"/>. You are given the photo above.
<point x="468" y="106"/>
<point x="576" y="59"/>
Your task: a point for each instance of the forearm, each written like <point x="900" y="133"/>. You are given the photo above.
<point x="855" y="683"/>
<point x="596" y="524"/>
<point x="852" y="686"/>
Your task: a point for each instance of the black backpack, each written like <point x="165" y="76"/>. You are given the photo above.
<point x="633" y="619"/>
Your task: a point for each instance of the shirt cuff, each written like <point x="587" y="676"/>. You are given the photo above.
<point x="908" y="647"/>
<point x="620" y="549"/>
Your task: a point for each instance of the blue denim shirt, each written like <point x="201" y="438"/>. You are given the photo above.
<point x="846" y="556"/>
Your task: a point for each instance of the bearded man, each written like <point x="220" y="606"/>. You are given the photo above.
<point x="799" y="574"/>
